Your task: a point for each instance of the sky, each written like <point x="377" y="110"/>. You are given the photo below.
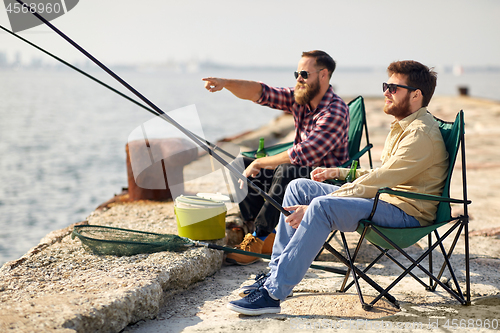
<point x="271" y="33"/>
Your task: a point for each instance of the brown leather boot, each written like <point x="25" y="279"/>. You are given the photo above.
<point x="251" y="244"/>
<point x="267" y="248"/>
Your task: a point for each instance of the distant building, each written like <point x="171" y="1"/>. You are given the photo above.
<point x="3" y="60"/>
<point x="17" y="60"/>
<point x="36" y="63"/>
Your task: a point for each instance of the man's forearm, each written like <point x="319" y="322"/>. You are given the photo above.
<point x="243" y="89"/>
<point x="271" y="162"/>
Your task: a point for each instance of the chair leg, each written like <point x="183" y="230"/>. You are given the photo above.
<point x="354" y="276"/>
<point x="358" y="246"/>
<point x="344" y="288"/>
<point x="383" y="252"/>
<point x="447" y="257"/>
<point x="429" y="242"/>
<point x="467" y="267"/>
<point x="416" y="263"/>
<point x="465" y="217"/>
<point x="362" y="275"/>
<point x="327" y="241"/>
<point x="394" y="260"/>
<point x="450" y="252"/>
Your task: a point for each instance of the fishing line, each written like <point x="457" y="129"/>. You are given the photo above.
<point x="213" y="146"/>
<point x="162" y="114"/>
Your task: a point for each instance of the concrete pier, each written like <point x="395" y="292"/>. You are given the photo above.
<point x="60" y="286"/>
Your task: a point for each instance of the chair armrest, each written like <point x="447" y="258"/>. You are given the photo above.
<point x="356" y="156"/>
<point x="412" y="195"/>
<point x="347" y="164"/>
<point x="271" y="150"/>
<point x="420" y="196"/>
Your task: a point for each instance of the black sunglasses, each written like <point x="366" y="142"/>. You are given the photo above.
<point x="394" y="87"/>
<point x="304" y="74"/>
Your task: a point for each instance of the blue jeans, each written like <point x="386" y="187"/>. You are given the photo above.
<point x="295" y="249"/>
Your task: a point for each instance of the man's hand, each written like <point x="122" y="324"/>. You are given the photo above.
<point x="251" y="171"/>
<point x="322" y="174"/>
<point x="295" y="218"/>
<point x="268" y="162"/>
<point x="213" y="84"/>
<point x="243" y="89"/>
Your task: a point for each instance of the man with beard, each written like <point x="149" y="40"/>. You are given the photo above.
<point x="321" y="139"/>
<point x="414" y="159"/>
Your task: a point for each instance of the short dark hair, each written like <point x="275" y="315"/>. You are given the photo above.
<point x="323" y="60"/>
<point x="417" y="75"/>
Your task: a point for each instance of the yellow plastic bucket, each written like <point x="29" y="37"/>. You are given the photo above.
<point x="199" y="218"/>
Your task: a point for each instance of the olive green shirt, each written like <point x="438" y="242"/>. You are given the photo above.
<point x="414" y="159"/>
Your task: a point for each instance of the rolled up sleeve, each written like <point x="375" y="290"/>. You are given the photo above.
<point x="276" y="98"/>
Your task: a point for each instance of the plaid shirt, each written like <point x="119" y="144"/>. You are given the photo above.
<point x="321" y="135"/>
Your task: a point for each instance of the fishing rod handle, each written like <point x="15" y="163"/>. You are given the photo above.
<point x="264" y="256"/>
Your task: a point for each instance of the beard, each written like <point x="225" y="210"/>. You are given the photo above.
<point x="304" y="96"/>
<point x="399" y="110"/>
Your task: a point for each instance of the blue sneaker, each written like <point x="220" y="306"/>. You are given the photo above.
<point x="259" y="282"/>
<point x="256" y="303"/>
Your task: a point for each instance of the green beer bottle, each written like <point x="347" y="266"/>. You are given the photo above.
<point x="352" y="173"/>
<point x="261" y="152"/>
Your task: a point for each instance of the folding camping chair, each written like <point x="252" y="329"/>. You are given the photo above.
<point x="357" y="123"/>
<point x="385" y="239"/>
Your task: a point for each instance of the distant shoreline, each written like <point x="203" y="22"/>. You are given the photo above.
<point x="194" y="66"/>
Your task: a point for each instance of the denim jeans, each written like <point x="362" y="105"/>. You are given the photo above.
<point x="274" y="183"/>
<point x="295" y="249"/>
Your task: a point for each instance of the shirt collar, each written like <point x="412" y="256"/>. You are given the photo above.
<point x="405" y="122"/>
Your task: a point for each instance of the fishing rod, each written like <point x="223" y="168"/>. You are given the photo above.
<point x="162" y="114"/>
<point x="213" y="146"/>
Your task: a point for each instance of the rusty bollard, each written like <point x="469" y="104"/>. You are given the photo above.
<point x="154" y="164"/>
<point x="463" y="91"/>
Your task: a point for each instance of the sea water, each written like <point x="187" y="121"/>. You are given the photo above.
<point x="62" y="136"/>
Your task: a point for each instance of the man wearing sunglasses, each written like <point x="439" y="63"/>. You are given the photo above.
<point x="321" y="139"/>
<point x="414" y="159"/>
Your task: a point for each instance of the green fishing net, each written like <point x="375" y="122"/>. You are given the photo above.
<point x="125" y="242"/>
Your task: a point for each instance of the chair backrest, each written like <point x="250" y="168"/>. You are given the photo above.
<point x="451" y="133"/>
<point x="357" y="120"/>
<point x="357" y="124"/>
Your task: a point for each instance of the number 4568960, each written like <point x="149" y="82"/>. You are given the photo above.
<point x="34" y="7"/>
<point x="471" y="323"/>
